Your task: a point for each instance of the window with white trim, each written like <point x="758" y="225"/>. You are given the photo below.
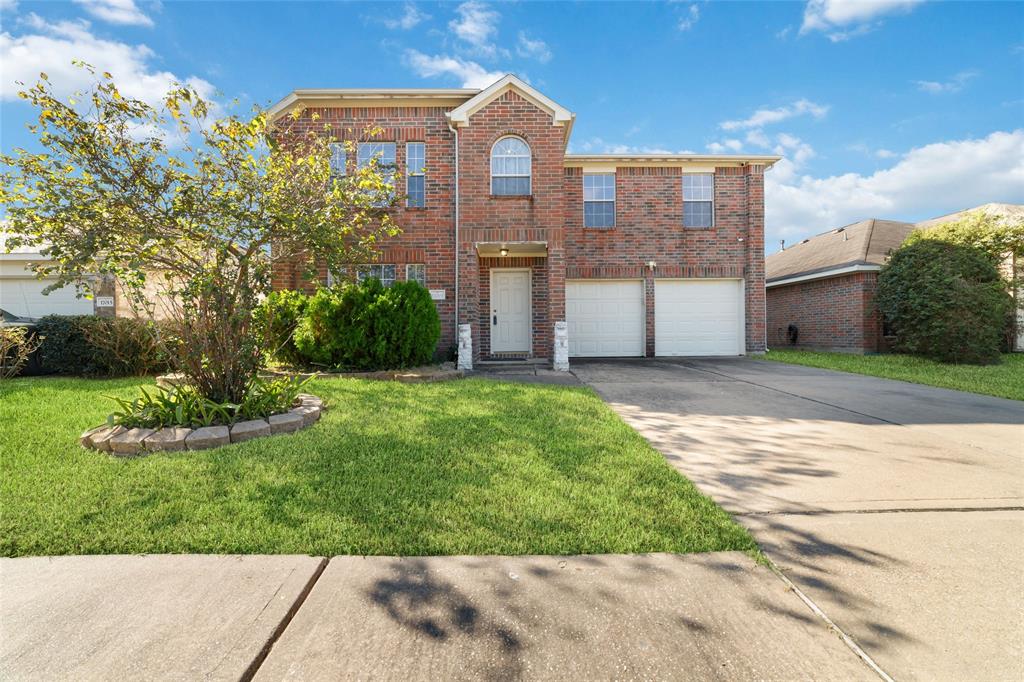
<point x="384" y="272"/>
<point x="338" y="159"/>
<point x="416" y="272"/>
<point x="385" y="155"/>
<point x="599" y="200"/>
<point x="510" y="167"/>
<point x="698" y="200"/>
<point x="415" y="167"/>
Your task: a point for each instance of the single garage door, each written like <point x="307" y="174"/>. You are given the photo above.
<point x="23" y="296"/>
<point x="698" y="317"/>
<point x="605" y="317"/>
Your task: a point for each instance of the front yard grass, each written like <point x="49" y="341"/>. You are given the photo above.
<point x="465" y="467"/>
<point x="1005" y="380"/>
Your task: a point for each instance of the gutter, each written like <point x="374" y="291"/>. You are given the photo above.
<point x="824" y="274"/>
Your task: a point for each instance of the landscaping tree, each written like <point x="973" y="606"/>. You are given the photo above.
<point x="211" y="212"/>
<point x="945" y="301"/>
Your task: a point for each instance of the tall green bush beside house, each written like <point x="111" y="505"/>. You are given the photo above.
<point x="945" y="301"/>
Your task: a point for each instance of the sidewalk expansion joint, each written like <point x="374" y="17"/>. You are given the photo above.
<point x="894" y="510"/>
<point x="261" y="656"/>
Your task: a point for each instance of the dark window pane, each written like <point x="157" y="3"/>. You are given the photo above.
<point x="417" y="191"/>
<point x="697" y="214"/>
<point x="599" y="214"/>
<point x="510" y="186"/>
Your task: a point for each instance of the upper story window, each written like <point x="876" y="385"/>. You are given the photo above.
<point x="698" y="200"/>
<point x="415" y="167"/>
<point x="510" y="167"/>
<point x="599" y="200"/>
<point x="384" y="154"/>
<point x="338" y="159"/>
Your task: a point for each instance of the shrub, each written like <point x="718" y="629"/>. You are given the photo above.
<point x="184" y="406"/>
<point x="86" y="345"/>
<point x="944" y="301"/>
<point x="16" y="345"/>
<point x="368" y="326"/>
<point x="275" y="321"/>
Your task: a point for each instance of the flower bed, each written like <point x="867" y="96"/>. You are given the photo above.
<point x="139" y="441"/>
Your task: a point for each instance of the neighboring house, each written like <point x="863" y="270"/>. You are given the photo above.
<point x="21" y="294"/>
<point x="820" y="292"/>
<point x="641" y="254"/>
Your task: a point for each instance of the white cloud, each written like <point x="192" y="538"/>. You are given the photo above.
<point x="861" y="16"/>
<point x="692" y="17"/>
<point x="757" y="138"/>
<point x="730" y="145"/>
<point x="411" y="17"/>
<point x="470" y="73"/>
<point x="52" y="47"/>
<point x="795" y="149"/>
<point x="932" y="180"/>
<point x="533" y="49"/>
<point x="123" y="12"/>
<point x="477" y="25"/>
<point x="885" y="154"/>
<point x="8" y="5"/>
<point x="763" y="117"/>
<point x="954" y="84"/>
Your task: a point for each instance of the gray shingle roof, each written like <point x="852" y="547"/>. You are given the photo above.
<point x="865" y="243"/>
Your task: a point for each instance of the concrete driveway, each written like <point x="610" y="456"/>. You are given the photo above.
<point x="897" y="508"/>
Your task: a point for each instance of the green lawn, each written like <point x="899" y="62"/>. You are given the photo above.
<point x="466" y="467"/>
<point x="1005" y="380"/>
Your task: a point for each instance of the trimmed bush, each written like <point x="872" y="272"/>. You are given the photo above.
<point x="944" y="301"/>
<point x="275" y="321"/>
<point x="368" y="326"/>
<point x="87" y="345"/>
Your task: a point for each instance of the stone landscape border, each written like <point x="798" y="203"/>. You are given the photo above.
<point x="136" y="442"/>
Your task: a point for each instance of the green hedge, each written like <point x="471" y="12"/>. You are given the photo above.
<point x="87" y="345"/>
<point x="944" y="301"/>
<point x="353" y="326"/>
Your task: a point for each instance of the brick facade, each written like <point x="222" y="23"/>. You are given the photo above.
<point x="648" y="219"/>
<point x="835" y="313"/>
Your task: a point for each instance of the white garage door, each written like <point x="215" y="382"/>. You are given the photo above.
<point x="24" y="297"/>
<point x="605" y="317"/>
<point x="698" y="317"/>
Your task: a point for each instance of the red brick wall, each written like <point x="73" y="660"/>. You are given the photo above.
<point x="649" y="226"/>
<point x="836" y="313"/>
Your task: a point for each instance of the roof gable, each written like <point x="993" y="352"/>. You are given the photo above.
<point x="560" y="116"/>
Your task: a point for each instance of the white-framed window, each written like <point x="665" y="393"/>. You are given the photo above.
<point x="599" y="200"/>
<point x="384" y="272"/>
<point x="510" y="167"/>
<point x="338" y="159"/>
<point x="698" y="200"/>
<point x="385" y="154"/>
<point x="415" y="168"/>
<point x="416" y="272"/>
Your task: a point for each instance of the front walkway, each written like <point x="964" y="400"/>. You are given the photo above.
<point x="897" y="508"/>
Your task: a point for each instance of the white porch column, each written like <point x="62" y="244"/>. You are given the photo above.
<point x="561" y="356"/>
<point x="465" y="347"/>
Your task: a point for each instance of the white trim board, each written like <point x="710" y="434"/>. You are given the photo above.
<point x="824" y="274"/>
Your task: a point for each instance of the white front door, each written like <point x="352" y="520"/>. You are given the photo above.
<point x="510" y="311"/>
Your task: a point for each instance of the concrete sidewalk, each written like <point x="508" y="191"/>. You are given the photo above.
<point x="162" y="617"/>
<point x="701" y="616"/>
<point x="897" y="508"/>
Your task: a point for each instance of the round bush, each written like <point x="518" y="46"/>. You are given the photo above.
<point x="368" y="326"/>
<point x="944" y="301"/>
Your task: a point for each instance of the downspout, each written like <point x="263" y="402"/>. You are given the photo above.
<point x="455" y="132"/>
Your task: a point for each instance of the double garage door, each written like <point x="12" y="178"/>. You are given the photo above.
<point x="691" y="317"/>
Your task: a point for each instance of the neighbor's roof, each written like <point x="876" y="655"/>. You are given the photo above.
<point x="866" y="243"/>
<point x="998" y="210"/>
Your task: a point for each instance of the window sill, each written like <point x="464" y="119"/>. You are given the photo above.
<point x="415" y="208"/>
<point x="702" y="229"/>
<point x="600" y="229"/>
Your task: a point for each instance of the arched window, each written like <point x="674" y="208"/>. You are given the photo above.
<point x="510" y="167"/>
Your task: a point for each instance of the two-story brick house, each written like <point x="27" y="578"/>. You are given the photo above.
<point x="641" y="255"/>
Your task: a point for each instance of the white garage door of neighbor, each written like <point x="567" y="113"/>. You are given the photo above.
<point x="24" y="297"/>
<point x="605" y="318"/>
<point x="698" y="317"/>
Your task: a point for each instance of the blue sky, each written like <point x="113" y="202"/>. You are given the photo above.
<point x="883" y="108"/>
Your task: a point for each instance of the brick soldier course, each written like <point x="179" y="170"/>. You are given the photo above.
<point x="648" y="209"/>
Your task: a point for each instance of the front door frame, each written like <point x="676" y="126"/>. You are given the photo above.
<point x="529" y="301"/>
